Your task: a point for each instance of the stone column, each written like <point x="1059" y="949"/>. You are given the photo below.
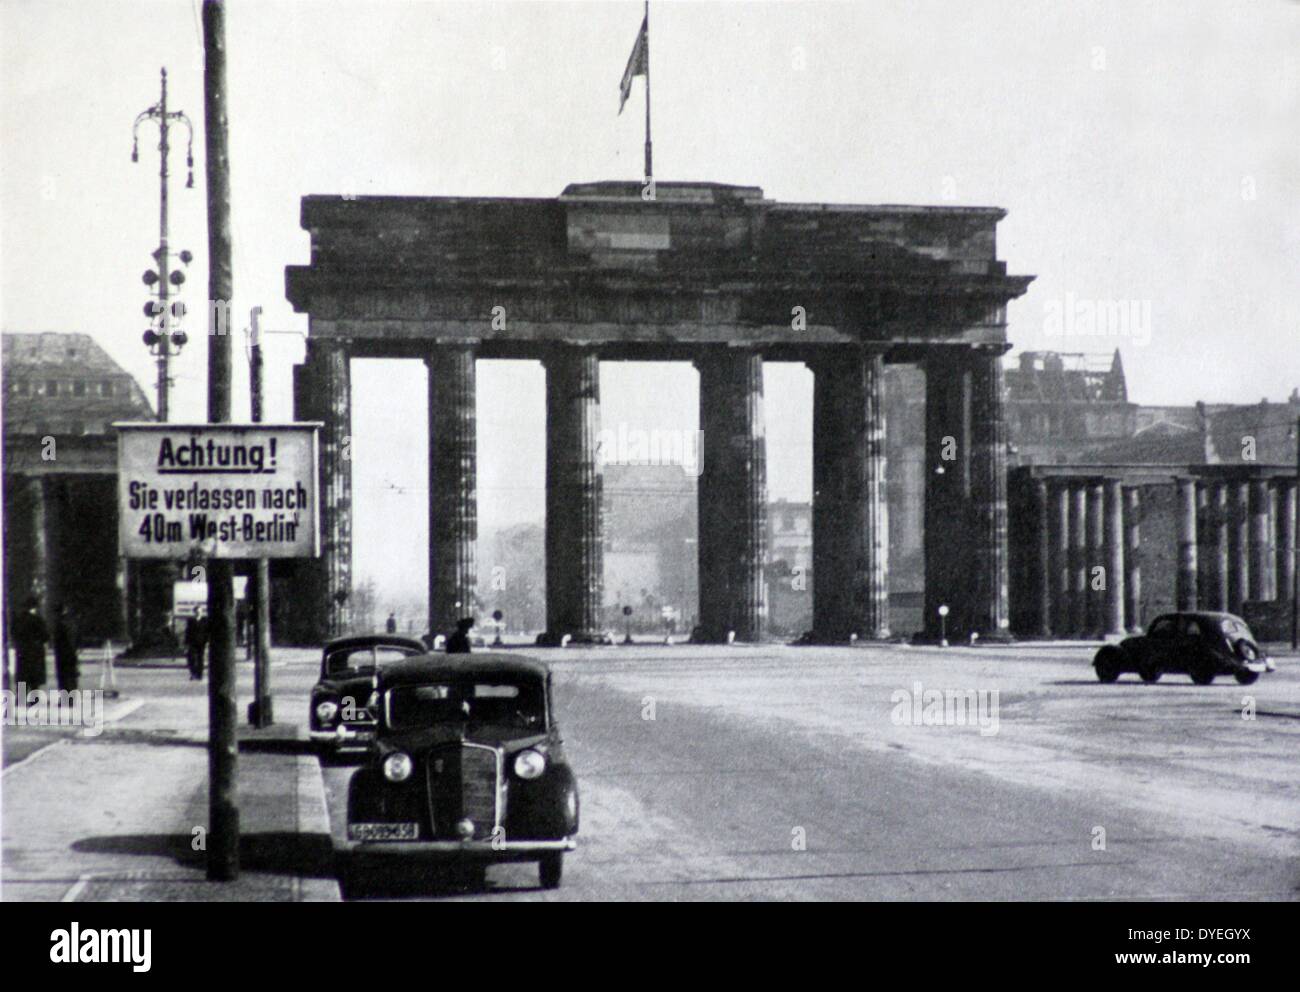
<point x="1043" y="553"/>
<point x="453" y="487"/>
<point x="1186" y="523"/>
<point x="1096" y="526"/>
<point x="1286" y="540"/>
<point x="1214" y="552"/>
<point x="1114" y="625"/>
<point x="732" y="496"/>
<point x="39" y="587"/>
<point x="1261" y="543"/>
<point x="575" y="567"/>
<point x="1133" y="560"/>
<point x="850" y="507"/>
<point x="1078" y="559"/>
<point x="948" y="524"/>
<point x="1061" y="575"/>
<point x="992" y="611"/>
<point x="1239" y="547"/>
<point x="323" y="392"/>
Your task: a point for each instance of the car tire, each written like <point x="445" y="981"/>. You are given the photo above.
<point x="550" y="869"/>
<point x="1246" y="678"/>
<point x="1107" y="665"/>
<point x="1148" y="672"/>
<point x="1202" y="672"/>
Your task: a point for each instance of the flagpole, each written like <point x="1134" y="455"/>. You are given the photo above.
<point x="649" y="166"/>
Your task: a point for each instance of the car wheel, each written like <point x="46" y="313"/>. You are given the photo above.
<point x="1107" y="665"/>
<point x="550" y="869"/>
<point x="1247" y="677"/>
<point x="1148" y="671"/>
<point x="1202" y="672"/>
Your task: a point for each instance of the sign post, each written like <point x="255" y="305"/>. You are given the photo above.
<point x="214" y="493"/>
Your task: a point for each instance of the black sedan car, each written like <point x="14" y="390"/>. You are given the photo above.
<point x="340" y="719"/>
<point x="1202" y="645"/>
<point x="468" y="766"/>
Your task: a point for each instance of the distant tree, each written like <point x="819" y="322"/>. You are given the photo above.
<point x="365" y="605"/>
<point x="512" y="577"/>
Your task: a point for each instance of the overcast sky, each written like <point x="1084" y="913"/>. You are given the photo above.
<point x="1145" y="152"/>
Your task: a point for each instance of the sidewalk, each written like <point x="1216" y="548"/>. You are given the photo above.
<point x="118" y="817"/>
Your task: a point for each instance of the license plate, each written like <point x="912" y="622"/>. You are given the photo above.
<point x="383" y="831"/>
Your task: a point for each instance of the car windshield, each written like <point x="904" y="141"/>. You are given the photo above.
<point x="363" y="660"/>
<point x="509" y="702"/>
<point x="1235" y="629"/>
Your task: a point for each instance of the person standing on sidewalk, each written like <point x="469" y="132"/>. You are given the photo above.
<point x="458" y="643"/>
<point x="30" y="637"/>
<point x="196" y="642"/>
<point x="65" y="649"/>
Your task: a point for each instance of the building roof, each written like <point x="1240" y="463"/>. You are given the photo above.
<point x="1223" y="435"/>
<point x="1057" y="377"/>
<point x="66" y="384"/>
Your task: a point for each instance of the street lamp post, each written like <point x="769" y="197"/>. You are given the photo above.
<point x="162" y="339"/>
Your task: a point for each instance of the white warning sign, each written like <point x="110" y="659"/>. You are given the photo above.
<point x="217" y="490"/>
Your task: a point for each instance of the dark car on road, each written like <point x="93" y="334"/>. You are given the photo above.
<point x="1202" y="645"/>
<point x="468" y="767"/>
<point x="340" y="719"/>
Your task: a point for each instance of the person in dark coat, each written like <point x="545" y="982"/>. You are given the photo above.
<point x="391" y="625"/>
<point x="65" y="649"/>
<point x="458" y="643"/>
<point x="196" y="642"/>
<point x="30" y="637"/>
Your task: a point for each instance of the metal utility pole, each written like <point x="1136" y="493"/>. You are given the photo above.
<point x="223" y="746"/>
<point x="259" y="711"/>
<point x="162" y="344"/>
<point x="1295" y="597"/>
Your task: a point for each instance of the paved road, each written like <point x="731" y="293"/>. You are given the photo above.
<point x="779" y="773"/>
<point x="803" y="773"/>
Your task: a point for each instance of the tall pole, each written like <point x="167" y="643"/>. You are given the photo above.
<point x="163" y="343"/>
<point x="260" y="712"/>
<point x="164" y="270"/>
<point x="1295" y="597"/>
<point x="223" y="750"/>
<point x="649" y="159"/>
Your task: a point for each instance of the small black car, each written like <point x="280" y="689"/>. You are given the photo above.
<point x="340" y="719"/>
<point x="468" y="766"/>
<point x="1203" y="645"/>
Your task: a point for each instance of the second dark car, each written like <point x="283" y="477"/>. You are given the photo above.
<point x="1201" y="645"/>
<point x="341" y="718"/>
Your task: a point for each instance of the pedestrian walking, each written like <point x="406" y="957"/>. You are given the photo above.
<point x="391" y="625"/>
<point x="196" y="642"/>
<point x="66" y="667"/>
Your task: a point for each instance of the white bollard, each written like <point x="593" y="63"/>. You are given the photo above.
<point x="107" y="674"/>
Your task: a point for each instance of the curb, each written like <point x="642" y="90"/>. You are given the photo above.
<point x="313" y="818"/>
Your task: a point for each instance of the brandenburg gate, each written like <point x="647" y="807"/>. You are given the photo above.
<point x="712" y="274"/>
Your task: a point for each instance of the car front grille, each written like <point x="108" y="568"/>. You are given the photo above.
<point x="464" y="784"/>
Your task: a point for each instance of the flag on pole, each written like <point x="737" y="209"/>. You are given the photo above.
<point x="636" y="63"/>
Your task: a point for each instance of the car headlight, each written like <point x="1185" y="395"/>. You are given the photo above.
<point x="397" y="767"/>
<point x="530" y="764"/>
<point x="326" y="711"/>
